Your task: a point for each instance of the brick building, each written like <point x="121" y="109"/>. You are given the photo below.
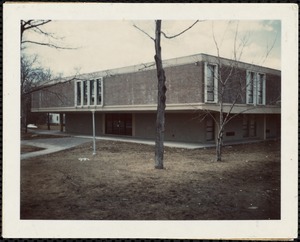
<point x="125" y="100"/>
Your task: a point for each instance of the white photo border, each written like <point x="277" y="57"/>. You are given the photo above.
<point x="13" y="227"/>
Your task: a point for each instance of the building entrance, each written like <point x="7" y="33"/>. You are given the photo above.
<point x="118" y="124"/>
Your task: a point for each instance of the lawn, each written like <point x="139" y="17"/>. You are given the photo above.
<point x="120" y="183"/>
<point x="29" y="148"/>
<point x="31" y="136"/>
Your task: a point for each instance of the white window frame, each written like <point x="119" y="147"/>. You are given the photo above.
<point x="255" y="88"/>
<point x="216" y="71"/>
<point x="93" y="82"/>
<point x="263" y="88"/>
<point x="248" y="76"/>
<point x="96" y="91"/>
<point x="76" y="93"/>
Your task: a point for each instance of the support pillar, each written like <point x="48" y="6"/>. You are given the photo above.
<point x="94" y="133"/>
<point x="61" y="122"/>
<point x="48" y="121"/>
<point x="265" y="127"/>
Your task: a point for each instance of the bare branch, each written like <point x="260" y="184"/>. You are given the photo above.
<point x="216" y="43"/>
<point x="46" y="85"/>
<point x="25" y="25"/>
<point x="144" y="32"/>
<point x="234" y="42"/>
<point x="176" y="35"/>
<point x="51" y="35"/>
<point x="269" y="49"/>
<point x="58" y="95"/>
<point x="47" y="44"/>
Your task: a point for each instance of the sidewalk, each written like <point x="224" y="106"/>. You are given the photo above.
<point x="72" y="140"/>
<point x="128" y="139"/>
<point x="52" y="145"/>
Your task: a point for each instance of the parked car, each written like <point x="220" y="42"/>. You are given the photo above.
<point x="31" y="126"/>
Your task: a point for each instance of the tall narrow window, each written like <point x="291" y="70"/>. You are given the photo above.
<point x="255" y="88"/>
<point x="92" y="93"/>
<point x="245" y="126"/>
<point x="85" y="92"/>
<point x="99" y="91"/>
<point x="249" y="125"/>
<point x="78" y="93"/>
<point x="211" y="82"/>
<point x="260" y="89"/>
<point x="250" y="87"/>
<point x="252" y="126"/>
<point x="210" y="129"/>
<point x="89" y="92"/>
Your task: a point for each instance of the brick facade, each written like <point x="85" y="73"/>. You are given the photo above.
<point x="132" y="93"/>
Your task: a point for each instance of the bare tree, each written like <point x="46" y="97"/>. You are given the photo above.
<point x="36" y="26"/>
<point x="31" y="76"/>
<point x="161" y="100"/>
<point x="161" y="90"/>
<point x="231" y="87"/>
<point x="34" y="77"/>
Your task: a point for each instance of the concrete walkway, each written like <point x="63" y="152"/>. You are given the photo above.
<point x="52" y="145"/>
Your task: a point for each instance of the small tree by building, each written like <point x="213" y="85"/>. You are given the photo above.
<point x="227" y="85"/>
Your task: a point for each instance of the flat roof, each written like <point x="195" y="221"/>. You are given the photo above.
<point x="200" y="57"/>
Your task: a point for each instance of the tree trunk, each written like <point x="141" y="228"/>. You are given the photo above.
<point x="161" y="100"/>
<point x="219" y="146"/>
<point x="221" y="130"/>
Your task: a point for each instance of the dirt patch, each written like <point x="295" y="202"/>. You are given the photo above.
<point x="29" y="148"/>
<point x="120" y="182"/>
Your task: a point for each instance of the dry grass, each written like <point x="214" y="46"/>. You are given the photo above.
<point x="120" y="182"/>
<point x="33" y="136"/>
<point x="29" y="148"/>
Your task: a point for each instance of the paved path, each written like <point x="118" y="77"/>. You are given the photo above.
<point x="52" y="145"/>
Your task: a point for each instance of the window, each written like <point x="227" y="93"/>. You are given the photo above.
<point x="260" y="88"/>
<point x="255" y="88"/>
<point x="85" y="92"/>
<point x="99" y="91"/>
<point x="252" y="126"/>
<point x="245" y="126"/>
<point x="89" y="92"/>
<point x="210" y="129"/>
<point x="92" y="92"/>
<point x="230" y="133"/>
<point x="78" y="91"/>
<point x="249" y="126"/>
<point x="211" y="82"/>
<point x="250" y="87"/>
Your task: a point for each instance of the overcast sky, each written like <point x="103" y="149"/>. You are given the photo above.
<point x="102" y="45"/>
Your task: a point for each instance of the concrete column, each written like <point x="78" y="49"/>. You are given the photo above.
<point x="94" y="133"/>
<point x="265" y="127"/>
<point x="61" y="122"/>
<point x="48" y="121"/>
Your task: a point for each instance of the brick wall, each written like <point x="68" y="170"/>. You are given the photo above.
<point x="273" y="89"/>
<point x="182" y="82"/>
<point x="185" y="84"/>
<point x="61" y="95"/>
